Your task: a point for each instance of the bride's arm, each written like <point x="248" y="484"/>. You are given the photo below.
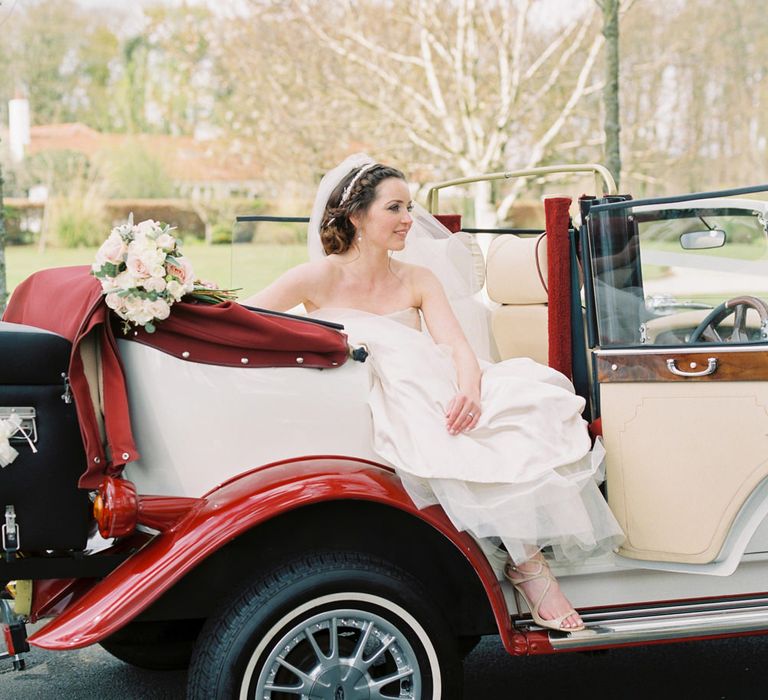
<point x="293" y="287"/>
<point x="445" y="329"/>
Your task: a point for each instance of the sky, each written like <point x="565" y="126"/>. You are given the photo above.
<point x="544" y="11"/>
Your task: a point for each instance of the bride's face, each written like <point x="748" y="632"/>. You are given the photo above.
<point x="388" y="219"/>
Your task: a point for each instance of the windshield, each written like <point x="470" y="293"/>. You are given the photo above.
<point x="660" y="269"/>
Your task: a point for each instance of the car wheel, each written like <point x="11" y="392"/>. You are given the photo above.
<point x="335" y="626"/>
<point x="154" y="645"/>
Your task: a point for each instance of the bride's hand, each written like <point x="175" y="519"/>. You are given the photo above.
<point x="463" y="413"/>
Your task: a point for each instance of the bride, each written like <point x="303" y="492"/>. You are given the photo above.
<point x="503" y="448"/>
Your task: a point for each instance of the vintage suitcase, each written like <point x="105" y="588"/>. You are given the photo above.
<point x="51" y="512"/>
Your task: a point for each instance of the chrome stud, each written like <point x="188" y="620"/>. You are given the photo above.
<point x="185" y="354"/>
<point x="299" y="360"/>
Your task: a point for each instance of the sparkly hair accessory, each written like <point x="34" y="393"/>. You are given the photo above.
<point x="348" y="188"/>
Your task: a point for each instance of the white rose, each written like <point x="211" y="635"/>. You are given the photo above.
<point x="125" y="280"/>
<point x="137" y="310"/>
<point x="144" y="260"/>
<point x="147" y="228"/>
<point x="113" y="301"/>
<point x="175" y="289"/>
<point x="155" y="284"/>
<point x="166" y="241"/>
<point x="159" y="309"/>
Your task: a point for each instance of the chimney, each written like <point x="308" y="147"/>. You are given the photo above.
<point x="18" y="127"/>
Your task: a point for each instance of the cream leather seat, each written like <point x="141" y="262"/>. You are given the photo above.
<point x="517" y="280"/>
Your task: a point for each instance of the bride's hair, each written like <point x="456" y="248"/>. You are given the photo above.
<point x="353" y="195"/>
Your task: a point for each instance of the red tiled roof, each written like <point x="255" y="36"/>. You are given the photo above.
<point x="184" y="158"/>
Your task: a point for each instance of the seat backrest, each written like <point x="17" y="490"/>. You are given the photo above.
<point x="516" y="275"/>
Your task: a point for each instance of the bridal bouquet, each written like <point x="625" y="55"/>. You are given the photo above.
<point x="143" y="273"/>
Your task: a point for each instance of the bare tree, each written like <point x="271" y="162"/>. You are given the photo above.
<point x="612" y="123"/>
<point x="467" y="85"/>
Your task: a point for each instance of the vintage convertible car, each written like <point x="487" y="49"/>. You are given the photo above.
<point x="246" y="528"/>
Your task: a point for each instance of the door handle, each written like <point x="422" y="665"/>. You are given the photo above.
<point x="710" y="369"/>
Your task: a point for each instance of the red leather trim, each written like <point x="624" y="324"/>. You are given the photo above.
<point x="227" y="512"/>
<point x="231" y="335"/>
<point x="451" y="221"/>
<point x="559" y="284"/>
<point x="68" y="301"/>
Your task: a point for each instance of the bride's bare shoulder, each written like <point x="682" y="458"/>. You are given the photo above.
<point x="313" y="271"/>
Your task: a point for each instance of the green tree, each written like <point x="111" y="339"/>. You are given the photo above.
<point x="182" y="87"/>
<point x="131" y="171"/>
<point x="131" y="88"/>
<point x="44" y="43"/>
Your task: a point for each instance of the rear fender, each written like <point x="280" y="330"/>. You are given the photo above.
<point x="227" y="512"/>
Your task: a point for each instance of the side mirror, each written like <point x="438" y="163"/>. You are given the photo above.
<point x="702" y="240"/>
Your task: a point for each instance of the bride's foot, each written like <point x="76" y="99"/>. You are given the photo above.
<point x="541" y="592"/>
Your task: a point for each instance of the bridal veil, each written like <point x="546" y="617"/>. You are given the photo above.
<point x="453" y="257"/>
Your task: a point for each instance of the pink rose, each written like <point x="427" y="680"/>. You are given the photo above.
<point x="182" y="270"/>
<point x="112" y="250"/>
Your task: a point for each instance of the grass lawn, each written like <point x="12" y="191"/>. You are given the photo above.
<point x="250" y="266"/>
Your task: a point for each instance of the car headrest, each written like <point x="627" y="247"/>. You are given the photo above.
<point x="514" y="276"/>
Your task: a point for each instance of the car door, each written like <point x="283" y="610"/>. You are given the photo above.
<point x="683" y="402"/>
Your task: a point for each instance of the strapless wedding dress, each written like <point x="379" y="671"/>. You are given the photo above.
<point x="526" y="475"/>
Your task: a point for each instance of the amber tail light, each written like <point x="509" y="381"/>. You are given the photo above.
<point x="116" y="507"/>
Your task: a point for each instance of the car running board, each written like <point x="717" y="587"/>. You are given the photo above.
<point x="607" y="628"/>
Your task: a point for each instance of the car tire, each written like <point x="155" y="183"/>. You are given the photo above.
<point x="339" y="624"/>
<point x="155" y="645"/>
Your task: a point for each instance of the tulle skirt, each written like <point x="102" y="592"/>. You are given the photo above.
<point x="525" y="476"/>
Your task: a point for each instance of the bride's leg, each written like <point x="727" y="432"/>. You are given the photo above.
<point x="554" y="604"/>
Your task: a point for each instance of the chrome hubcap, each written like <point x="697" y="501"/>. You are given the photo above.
<point x="341" y="655"/>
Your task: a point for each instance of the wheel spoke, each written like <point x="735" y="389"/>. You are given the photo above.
<point x="333" y="654"/>
<point x="306" y="680"/>
<point x="357" y="655"/>
<point x="321" y="657"/>
<point x="288" y="689"/>
<point x="367" y="663"/>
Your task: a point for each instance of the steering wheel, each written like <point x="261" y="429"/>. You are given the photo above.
<point x="707" y="329"/>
